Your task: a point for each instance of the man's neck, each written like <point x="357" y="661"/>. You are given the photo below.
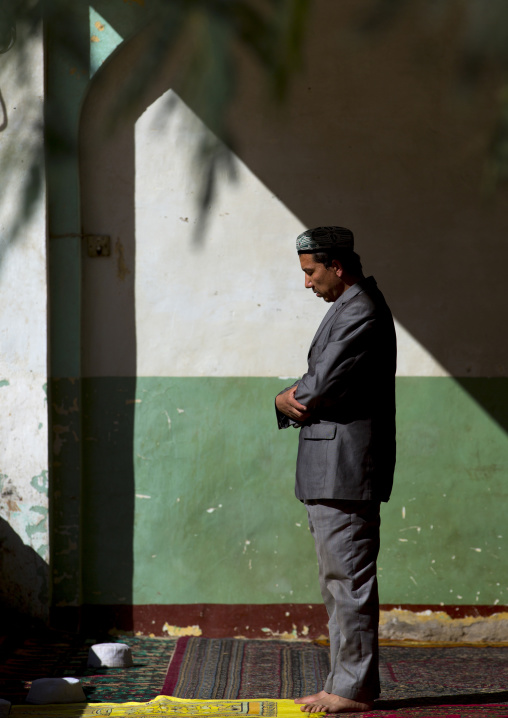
<point x="350" y="280"/>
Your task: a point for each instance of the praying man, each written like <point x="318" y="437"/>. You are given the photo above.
<point x="344" y="407"/>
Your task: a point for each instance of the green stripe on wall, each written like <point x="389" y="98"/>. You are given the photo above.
<point x="451" y="480"/>
<point x="221" y="524"/>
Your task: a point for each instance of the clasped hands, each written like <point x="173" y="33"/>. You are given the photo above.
<point x="288" y="405"/>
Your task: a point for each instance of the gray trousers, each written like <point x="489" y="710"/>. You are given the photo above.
<point x="346" y="534"/>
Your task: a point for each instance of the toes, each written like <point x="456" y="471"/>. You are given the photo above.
<point x="313" y="708"/>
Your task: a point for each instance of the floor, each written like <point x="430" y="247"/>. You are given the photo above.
<point x="472" y="679"/>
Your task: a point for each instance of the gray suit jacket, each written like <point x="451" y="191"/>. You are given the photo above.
<point x="347" y="446"/>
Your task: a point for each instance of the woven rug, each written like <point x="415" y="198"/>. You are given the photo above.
<point x="68" y="655"/>
<point x="179" y="708"/>
<point x="231" y="668"/>
<point x="451" y="682"/>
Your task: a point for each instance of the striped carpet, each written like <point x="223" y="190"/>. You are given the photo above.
<point x="451" y="681"/>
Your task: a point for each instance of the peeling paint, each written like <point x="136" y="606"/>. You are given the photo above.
<point x="58" y="442"/>
<point x="40" y="482"/>
<point x="72" y="546"/>
<point x="24" y="357"/>
<point x="43" y="551"/>
<point x="295" y="634"/>
<point x="212" y="509"/>
<point x="8" y="490"/>
<point x="399" y="624"/>
<point x="182" y="630"/>
<point x="64" y="411"/>
<point x="63" y="577"/>
<point x="40" y="525"/>
<point x="408" y="528"/>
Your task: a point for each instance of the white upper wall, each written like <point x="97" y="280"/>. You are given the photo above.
<point x="233" y="304"/>
<point x="22" y="255"/>
<point x="23" y="298"/>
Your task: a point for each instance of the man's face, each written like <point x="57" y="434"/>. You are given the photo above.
<point x="324" y="282"/>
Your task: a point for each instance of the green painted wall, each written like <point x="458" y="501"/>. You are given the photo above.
<point x="451" y="483"/>
<point x="199" y="470"/>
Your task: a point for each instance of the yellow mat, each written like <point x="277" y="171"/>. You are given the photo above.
<point x="164" y="705"/>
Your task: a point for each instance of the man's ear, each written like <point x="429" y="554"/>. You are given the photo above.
<point x="337" y="267"/>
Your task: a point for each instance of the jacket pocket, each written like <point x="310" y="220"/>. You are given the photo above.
<point x="316" y="432"/>
<point x="313" y="468"/>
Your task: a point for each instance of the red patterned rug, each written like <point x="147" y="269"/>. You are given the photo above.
<point x="443" y="711"/>
<point x="416" y="682"/>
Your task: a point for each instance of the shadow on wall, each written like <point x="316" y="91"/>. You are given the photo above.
<point x="24" y="578"/>
<point x="376" y="137"/>
<point x="371" y="139"/>
<point x="108" y="497"/>
<point x="22" y="192"/>
<point x="491" y="394"/>
<point x="107" y="181"/>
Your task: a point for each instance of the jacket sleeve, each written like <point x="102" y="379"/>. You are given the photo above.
<point x="283" y="421"/>
<point x="341" y="359"/>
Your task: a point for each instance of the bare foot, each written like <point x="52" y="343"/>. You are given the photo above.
<point x="312" y="699"/>
<point x="330" y="703"/>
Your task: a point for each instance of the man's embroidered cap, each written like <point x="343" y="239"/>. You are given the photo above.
<point x="322" y="238"/>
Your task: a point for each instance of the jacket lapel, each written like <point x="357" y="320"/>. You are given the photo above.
<point x="337" y="305"/>
<point x="324" y="322"/>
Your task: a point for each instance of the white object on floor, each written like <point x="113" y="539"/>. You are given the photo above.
<point x="56" y="690"/>
<point x="5" y="707"/>
<point x="111" y="655"/>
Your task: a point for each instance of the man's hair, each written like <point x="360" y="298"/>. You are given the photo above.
<point x="349" y="260"/>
